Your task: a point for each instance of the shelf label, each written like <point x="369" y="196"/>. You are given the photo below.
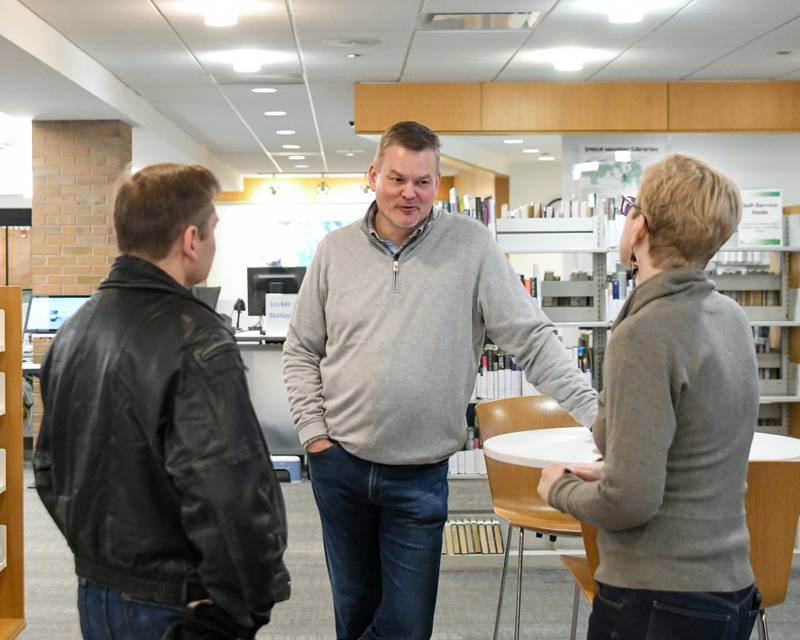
<point x="762" y="217"/>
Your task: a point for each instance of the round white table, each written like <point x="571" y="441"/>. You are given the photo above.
<point x="574" y="445"/>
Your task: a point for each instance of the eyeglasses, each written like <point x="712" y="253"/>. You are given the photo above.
<point x="628" y="203"/>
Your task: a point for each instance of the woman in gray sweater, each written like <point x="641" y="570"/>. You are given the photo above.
<point x="674" y="426"/>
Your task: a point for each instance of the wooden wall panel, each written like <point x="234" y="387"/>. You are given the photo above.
<point x="734" y="106"/>
<point x="444" y="107"/>
<point x="475" y="183"/>
<point x="554" y="107"/>
<point x="445" y="184"/>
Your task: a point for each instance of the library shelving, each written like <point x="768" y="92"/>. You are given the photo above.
<point x="12" y="595"/>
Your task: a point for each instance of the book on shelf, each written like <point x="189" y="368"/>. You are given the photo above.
<point x="472" y="537"/>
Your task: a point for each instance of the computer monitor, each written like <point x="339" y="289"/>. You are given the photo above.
<point x="209" y="295"/>
<point x="264" y="280"/>
<point x="46" y="314"/>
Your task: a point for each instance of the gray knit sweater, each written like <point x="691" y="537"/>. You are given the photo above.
<point x="675" y="423"/>
<point x="382" y="350"/>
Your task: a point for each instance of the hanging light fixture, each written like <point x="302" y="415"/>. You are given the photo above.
<point x="323" y="188"/>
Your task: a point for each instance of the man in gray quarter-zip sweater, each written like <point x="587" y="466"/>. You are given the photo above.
<point x="379" y="364"/>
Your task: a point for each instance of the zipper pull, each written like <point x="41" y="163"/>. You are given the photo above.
<point x="396" y="266"/>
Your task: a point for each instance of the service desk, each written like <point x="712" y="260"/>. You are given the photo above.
<point x="263" y="358"/>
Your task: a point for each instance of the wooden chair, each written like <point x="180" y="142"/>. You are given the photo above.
<point x="772" y="503"/>
<point x="513" y="487"/>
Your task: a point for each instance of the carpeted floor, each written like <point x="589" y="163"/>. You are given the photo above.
<point x="467" y="599"/>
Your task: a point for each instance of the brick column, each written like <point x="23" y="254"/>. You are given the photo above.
<point x="76" y="165"/>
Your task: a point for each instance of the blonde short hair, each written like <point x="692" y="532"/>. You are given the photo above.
<point x="691" y="209"/>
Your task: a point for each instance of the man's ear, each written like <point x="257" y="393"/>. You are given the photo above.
<point x="188" y="238"/>
<point x="372" y="177"/>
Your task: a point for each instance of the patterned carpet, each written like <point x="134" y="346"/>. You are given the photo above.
<point x="467" y="599"/>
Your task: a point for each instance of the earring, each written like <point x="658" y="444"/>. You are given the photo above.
<point x="634" y="266"/>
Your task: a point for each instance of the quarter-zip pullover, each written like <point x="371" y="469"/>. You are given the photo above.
<point x="382" y="350"/>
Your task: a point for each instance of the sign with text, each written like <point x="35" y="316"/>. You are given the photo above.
<point x="278" y="307"/>
<point x="762" y="217"/>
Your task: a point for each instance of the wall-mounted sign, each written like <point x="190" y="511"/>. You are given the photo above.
<point x="762" y="217"/>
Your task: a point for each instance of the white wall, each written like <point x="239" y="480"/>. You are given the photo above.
<point x="252" y="235"/>
<point x="534" y="182"/>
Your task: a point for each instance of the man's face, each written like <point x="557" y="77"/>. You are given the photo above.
<point x="405" y="186"/>
<point x="205" y="249"/>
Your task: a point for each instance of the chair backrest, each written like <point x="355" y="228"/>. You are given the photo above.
<point x="772" y="502"/>
<point x="513" y="486"/>
<point x="521" y="414"/>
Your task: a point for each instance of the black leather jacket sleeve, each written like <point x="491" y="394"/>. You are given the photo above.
<point x="231" y="503"/>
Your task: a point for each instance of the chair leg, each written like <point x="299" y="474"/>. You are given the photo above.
<point x="761" y="624"/>
<point x="576" y="601"/>
<point x="521" y="551"/>
<point x="502" y="583"/>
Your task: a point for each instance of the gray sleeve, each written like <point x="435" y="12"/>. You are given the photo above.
<point x="515" y="323"/>
<point x="303" y="351"/>
<point x="640" y="426"/>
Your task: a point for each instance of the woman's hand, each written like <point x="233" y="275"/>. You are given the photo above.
<point x="549" y="476"/>
<point x="590" y="471"/>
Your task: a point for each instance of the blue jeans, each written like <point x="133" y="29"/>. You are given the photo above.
<point x="638" y="614"/>
<point x="382" y="529"/>
<point x="110" y="615"/>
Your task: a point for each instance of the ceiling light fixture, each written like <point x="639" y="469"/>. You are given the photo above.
<point x="513" y="141"/>
<point x="323" y="188"/>
<point x="248" y="60"/>
<point x="290" y="146"/>
<point x="353" y="55"/>
<point x="274" y="114"/>
<point x="220" y="13"/>
<point x="349" y="154"/>
<point x="297" y="157"/>
<point x="567" y="58"/>
<point x="530" y="151"/>
<point x="625" y="12"/>
<point x="285" y="132"/>
<point x="264" y="90"/>
<point x="546" y="157"/>
<point x="301" y="166"/>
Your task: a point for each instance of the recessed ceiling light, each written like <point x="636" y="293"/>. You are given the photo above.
<point x="248" y="60"/>
<point x="567" y="58"/>
<point x="264" y="90"/>
<point x="220" y="13"/>
<point x="353" y="55"/>
<point x="285" y="132"/>
<point x="349" y="154"/>
<point x="297" y="157"/>
<point x="290" y="146"/>
<point x="546" y="157"/>
<point x="274" y="114"/>
<point x="513" y="141"/>
<point x="530" y="151"/>
<point x="625" y="12"/>
<point x="301" y="166"/>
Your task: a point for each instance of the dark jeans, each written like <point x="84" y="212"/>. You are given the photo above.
<point x="111" y="615"/>
<point x="382" y="528"/>
<point x="638" y="614"/>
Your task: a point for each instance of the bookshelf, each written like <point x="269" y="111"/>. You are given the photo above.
<point x="12" y="594"/>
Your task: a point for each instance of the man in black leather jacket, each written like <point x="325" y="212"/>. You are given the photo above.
<point x="150" y="458"/>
